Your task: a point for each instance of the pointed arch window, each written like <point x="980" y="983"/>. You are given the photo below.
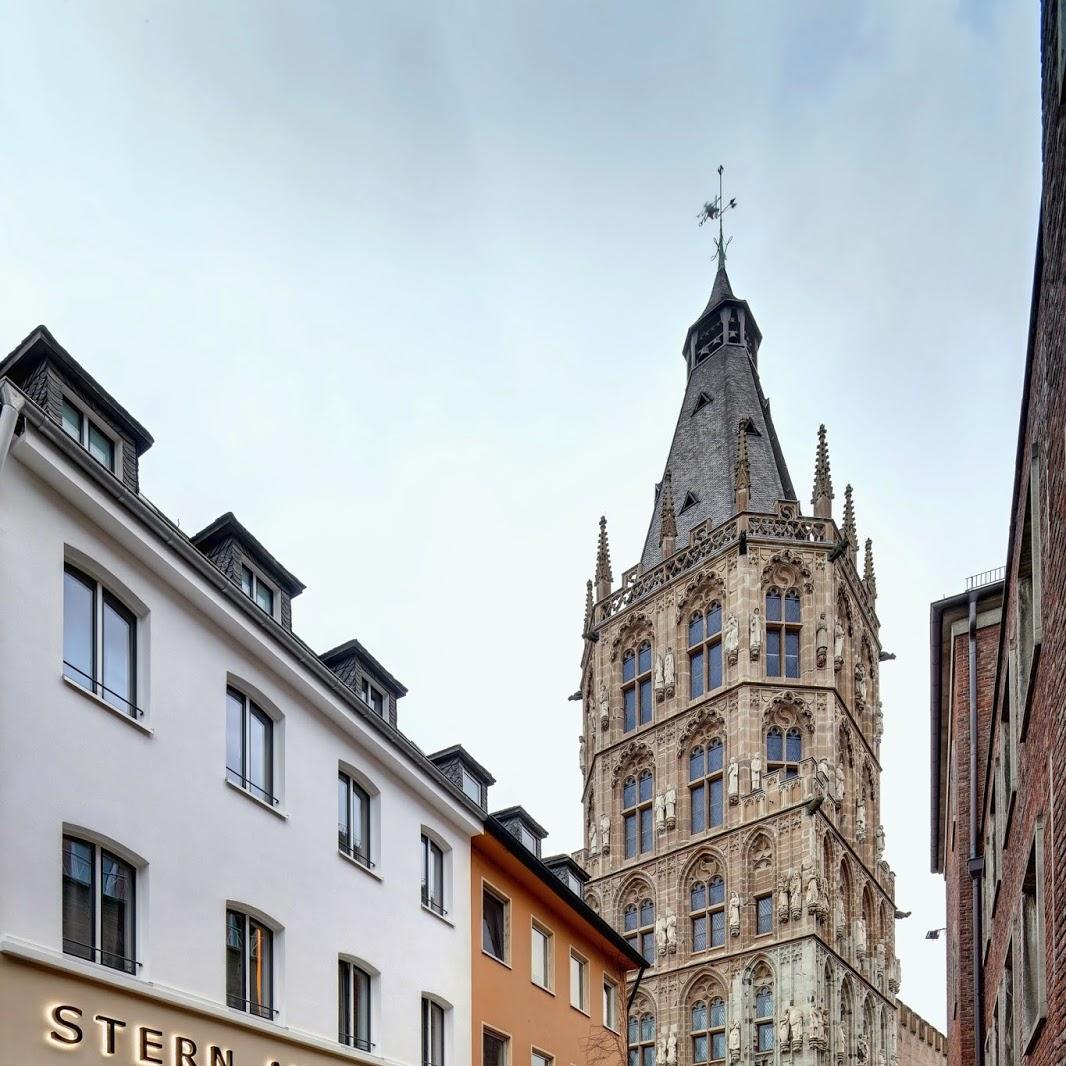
<point x="784" y="750"/>
<point x="636" y="687"/>
<point x="637" y="813"/>
<point x="783" y="623"/>
<point x="708" y="1031"/>
<point x="734" y="326"/>
<point x="705" y="650"/>
<point x="706" y="785"/>
<point x="642" y="1040"/>
<point x="764" y="1017"/>
<point x="638" y="922"/>
<point x="707" y="913"/>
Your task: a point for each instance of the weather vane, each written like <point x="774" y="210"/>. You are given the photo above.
<point x="715" y="209"/>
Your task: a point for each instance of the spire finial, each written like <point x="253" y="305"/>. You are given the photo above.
<point x="822" y="496"/>
<point x="850" y="534"/>
<point x="603" y="563"/>
<point x="715" y="209"/>
<point x="742" y="469"/>
<point x="588" y="608"/>
<point x="667" y="516"/>
<point x="868" y="577"/>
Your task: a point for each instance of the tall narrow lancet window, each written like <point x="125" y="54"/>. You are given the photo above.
<point x="705" y="650"/>
<point x="642" y="1040"/>
<point x="784" y="750"/>
<point x="705" y="773"/>
<point x="707" y="912"/>
<point x="764" y="1018"/>
<point x="636" y="687"/>
<point x="783" y="619"/>
<point x="637" y="813"/>
<point x="708" y="1031"/>
<point x="638" y="923"/>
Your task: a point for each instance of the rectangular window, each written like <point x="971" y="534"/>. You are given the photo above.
<point x="354" y="1006"/>
<point x="88" y="434"/>
<point x="764" y="911"/>
<point x="629" y="709"/>
<point x="542" y="957"/>
<point x="98" y="905"/>
<point x="699" y="808"/>
<point x="699" y="933"/>
<point x="717" y="929"/>
<point x="432" y="875"/>
<point x="714" y="665"/>
<point x="792" y="653"/>
<point x="494" y="911"/>
<point x="249" y="747"/>
<point x="630" y="827"/>
<point x="610" y="1004"/>
<point x="249" y="965"/>
<point x="646" y="831"/>
<point x="1033" y="945"/>
<point x="372" y="697"/>
<point x="353" y="819"/>
<point x="717" y="811"/>
<point x="764" y="1036"/>
<point x="99" y="641"/>
<point x="432" y="1033"/>
<point x="539" y="1058"/>
<point x="579" y="982"/>
<point x="494" y="1049"/>
<point x="695" y="663"/>
<point x="255" y="588"/>
<point x="773" y="652"/>
<point x="472" y="787"/>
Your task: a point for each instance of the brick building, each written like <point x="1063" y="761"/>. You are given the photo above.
<point x="919" y="1043"/>
<point x="730" y="744"/>
<point x="1007" y="952"/>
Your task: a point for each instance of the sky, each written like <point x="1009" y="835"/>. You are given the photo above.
<point x="405" y="286"/>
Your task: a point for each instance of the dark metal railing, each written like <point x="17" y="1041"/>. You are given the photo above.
<point x="250" y="786"/>
<point x="433" y="904"/>
<point x="986" y="577"/>
<point x="132" y="709"/>
<point x="251" y="1007"/>
<point x="351" y="1040"/>
<point x="355" y="854"/>
<point x="120" y="962"/>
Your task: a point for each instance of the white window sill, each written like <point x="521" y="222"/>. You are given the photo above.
<point x="440" y="917"/>
<point x="100" y="702"/>
<point x="495" y="958"/>
<point x="355" y="862"/>
<point x="255" y="799"/>
<point x="581" y="1010"/>
<point x="543" y="988"/>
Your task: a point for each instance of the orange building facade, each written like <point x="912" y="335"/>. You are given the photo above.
<point x="549" y="975"/>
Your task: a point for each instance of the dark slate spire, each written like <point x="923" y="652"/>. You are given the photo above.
<point x="720" y="351"/>
<point x="822" y="496"/>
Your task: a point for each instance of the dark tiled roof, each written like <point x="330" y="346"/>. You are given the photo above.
<point x="354" y="648"/>
<point x="227" y="526"/>
<point x="457" y="751"/>
<point x="703" y="452"/>
<point x="518" y="812"/>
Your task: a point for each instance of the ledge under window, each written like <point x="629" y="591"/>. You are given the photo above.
<point x="255" y="799"/>
<point x="101" y="702"/>
<point x="366" y="866"/>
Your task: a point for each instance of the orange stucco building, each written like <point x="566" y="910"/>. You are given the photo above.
<point x="549" y="975"/>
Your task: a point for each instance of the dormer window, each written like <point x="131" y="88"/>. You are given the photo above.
<point x="373" y="698"/>
<point x="472" y="787"/>
<point x="255" y="588"/>
<point x="80" y="427"/>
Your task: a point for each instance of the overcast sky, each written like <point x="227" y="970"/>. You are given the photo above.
<point x="405" y="286"/>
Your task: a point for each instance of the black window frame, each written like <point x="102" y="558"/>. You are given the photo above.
<point x="239" y="777"/>
<point x="351" y="1029"/>
<point x="252" y="586"/>
<point x="433" y="861"/>
<point x="433" y="1015"/>
<point x="354" y="788"/>
<point x="504" y="904"/>
<point x="243" y="1002"/>
<point x="102" y="600"/>
<point x="86" y="424"/>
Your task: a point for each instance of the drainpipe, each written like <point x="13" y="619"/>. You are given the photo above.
<point x="10" y="405"/>
<point x="976" y="862"/>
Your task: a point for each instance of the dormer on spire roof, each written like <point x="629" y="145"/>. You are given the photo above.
<point x="822" y="496"/>
<point x="667" y="516"/>
<point x="604" y="578"/>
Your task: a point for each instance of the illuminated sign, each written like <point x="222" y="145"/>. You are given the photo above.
<point x="140" y="1045"/>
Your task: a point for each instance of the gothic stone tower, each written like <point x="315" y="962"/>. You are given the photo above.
<point x="730" y="745"/>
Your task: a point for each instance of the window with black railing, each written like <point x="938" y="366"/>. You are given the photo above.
<point x="249" y="965"/>
<point x="432" y="1033"/>
<point x="99" y="906"/>
<point x="353" y="820"/>
<point x="99" y="642"/>
<point x="432" y="876"/>
<point x="354" y="1006"/>
<point x="250" y="747"/>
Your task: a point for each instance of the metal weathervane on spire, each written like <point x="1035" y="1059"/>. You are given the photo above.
<point x="715" y="209"/>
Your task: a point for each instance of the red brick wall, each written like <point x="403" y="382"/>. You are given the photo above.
<point x="1041" y="780"/>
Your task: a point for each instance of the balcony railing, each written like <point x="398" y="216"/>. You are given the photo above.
<point x="986" y="577"/>
<point x="98" y="688"/>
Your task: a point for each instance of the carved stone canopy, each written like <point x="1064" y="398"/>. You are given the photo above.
<point x="786" y="569"/>
<point x="634" y="628"/>
<point x="634" y="754"/>
<point x="706" y="720"/>
<point x="702" y="589"/>
<point x="787" y="708"/>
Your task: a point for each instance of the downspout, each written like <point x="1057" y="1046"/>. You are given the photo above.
<point x="976" y="862"/>
<point x="10" y="405"/>
<point x="636" y="985"/>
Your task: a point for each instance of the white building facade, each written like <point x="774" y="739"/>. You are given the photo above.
<point x="216" y="845"/>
